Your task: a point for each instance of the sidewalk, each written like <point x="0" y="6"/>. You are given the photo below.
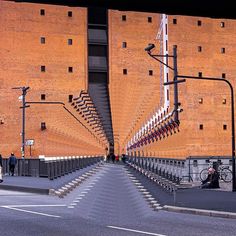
<point x="38" y="184"/>
<point x="192" y="197"/>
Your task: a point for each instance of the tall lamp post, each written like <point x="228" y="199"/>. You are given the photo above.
<point x="184" y="77"/>
<point x="24" y="92"/>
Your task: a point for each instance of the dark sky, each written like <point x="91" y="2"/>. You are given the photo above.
<point x="206" y="8"/>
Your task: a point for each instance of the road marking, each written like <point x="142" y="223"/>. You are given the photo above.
<point x="33" y="205"/>
<point x="32" y="212"/>
<point x="136" y="231"/>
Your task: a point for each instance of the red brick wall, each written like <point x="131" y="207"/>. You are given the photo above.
<point x="134" y="97"/>
<point x="22" y="54"/>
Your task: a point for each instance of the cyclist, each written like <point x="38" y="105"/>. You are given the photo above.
<point x="212" y="180"/>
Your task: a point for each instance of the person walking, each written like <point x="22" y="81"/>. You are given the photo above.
<point x="12" y="161"/>
<point x="1" y="179"/>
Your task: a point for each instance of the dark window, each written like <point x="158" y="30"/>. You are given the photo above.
<point x="222" y="24"/>
<point x="69" y="13"/>
<point x="174" y="21"/>
<point x="42" y="40"/>
<point x="123" y="17"/>
<point x="43" y="68"/>
<point x="150" y="19"/>
<point x="69" y="41"/>
<point x="224" y="101"/>
<point x="222" y="50"/>
<point x="200" y="100"/>
<point x="97" y="15"/>
<point x="43" y="125"/>
<point x="125" y="72"/>
<point x="43" y="96"/>
<point x="199" y="74"/>
<point x="70" y="98"/>
<point x="97" y="77"/>
<point x="223" y="75"/>
<point x="124" y="45"/>
<point x="97" y="50"/>
<point x="42" y="12"/>
<point x="70" y="69"/>
<point x="150" y="72"/>
<point x="224" y="127"/>
<point x="201" y="126"/>
<point x="199" y="48"/>
<point x="199" y="23"/>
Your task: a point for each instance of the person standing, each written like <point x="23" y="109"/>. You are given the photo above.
<point x="12" y="161"/>
<point x="1" y="179"/>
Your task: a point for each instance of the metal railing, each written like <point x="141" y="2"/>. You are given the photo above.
<point x="50" y="167"/>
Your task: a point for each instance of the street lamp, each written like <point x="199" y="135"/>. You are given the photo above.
<point x="157" y="57"/>
<point x="176" y="103"/>
<point x="24" y="92"/>
<point x="232" y="116"/>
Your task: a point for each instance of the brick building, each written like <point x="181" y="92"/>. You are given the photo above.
<point x="49" y="48"/>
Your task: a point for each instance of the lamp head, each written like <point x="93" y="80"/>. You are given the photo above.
<point x="149" y="47"/>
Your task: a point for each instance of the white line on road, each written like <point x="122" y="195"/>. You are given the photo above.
<point x="33" y="206"/>
<point x="32" y="212"/>
<point x="136" y="231"/>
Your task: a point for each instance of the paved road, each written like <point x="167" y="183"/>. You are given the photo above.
<point x="108" y="203"/>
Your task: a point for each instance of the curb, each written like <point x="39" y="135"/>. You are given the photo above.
<point x="222" y="214"/>
<point x="25" y="189"/>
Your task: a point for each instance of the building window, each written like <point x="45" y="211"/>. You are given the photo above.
<point x="43" y="125"/>
<point x="43" y="97"/>
<point x="150" y="19"/>
<point x="70" y="69"/>
<point x="224" y="127"/>
<point x="150" y="72"/>
<point x="69" y="41"/>
<point x="69" y="13"/>
<point x="199" y="23"/>
<point x="70" y="98"/>
<point x="124" y="45"/>
<point x="43" y="68"/>
<point x="123" y="17"/>
<point x="223" y="75"/>
<point x="42" y="40"/>
<point x="199" y="48"/>
<point x="224" y="101"/>
<point x="200" y="100"/>
<point x="42" y="12"/>
<point x="199" y="74"/>
<point x="222" y="24"/>
<point x="201" y="126"/>
<point x="125" y="72"/>
<point x="222" y="50"/>
<point x="175" y="21"/>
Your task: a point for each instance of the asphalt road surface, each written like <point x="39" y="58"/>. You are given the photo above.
<point x="108" y="203"/>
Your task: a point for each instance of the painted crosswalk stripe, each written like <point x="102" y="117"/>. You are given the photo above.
<point x="135" y="231"/>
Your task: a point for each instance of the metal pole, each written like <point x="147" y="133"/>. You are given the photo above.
<point x="233" y="138"/>
<point x="30" y="150"/>
<point x="23" y="123"/>
<point x="176" y="102"/>
<point x="232" y="120"/>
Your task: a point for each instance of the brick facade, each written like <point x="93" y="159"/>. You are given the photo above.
<point x="57" y="41"/>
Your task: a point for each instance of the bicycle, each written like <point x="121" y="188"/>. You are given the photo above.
<point x="225" y="173"/>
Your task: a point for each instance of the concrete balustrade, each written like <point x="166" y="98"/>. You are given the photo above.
<point x="178" y="169"/>
<point x="51" y="167"/>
